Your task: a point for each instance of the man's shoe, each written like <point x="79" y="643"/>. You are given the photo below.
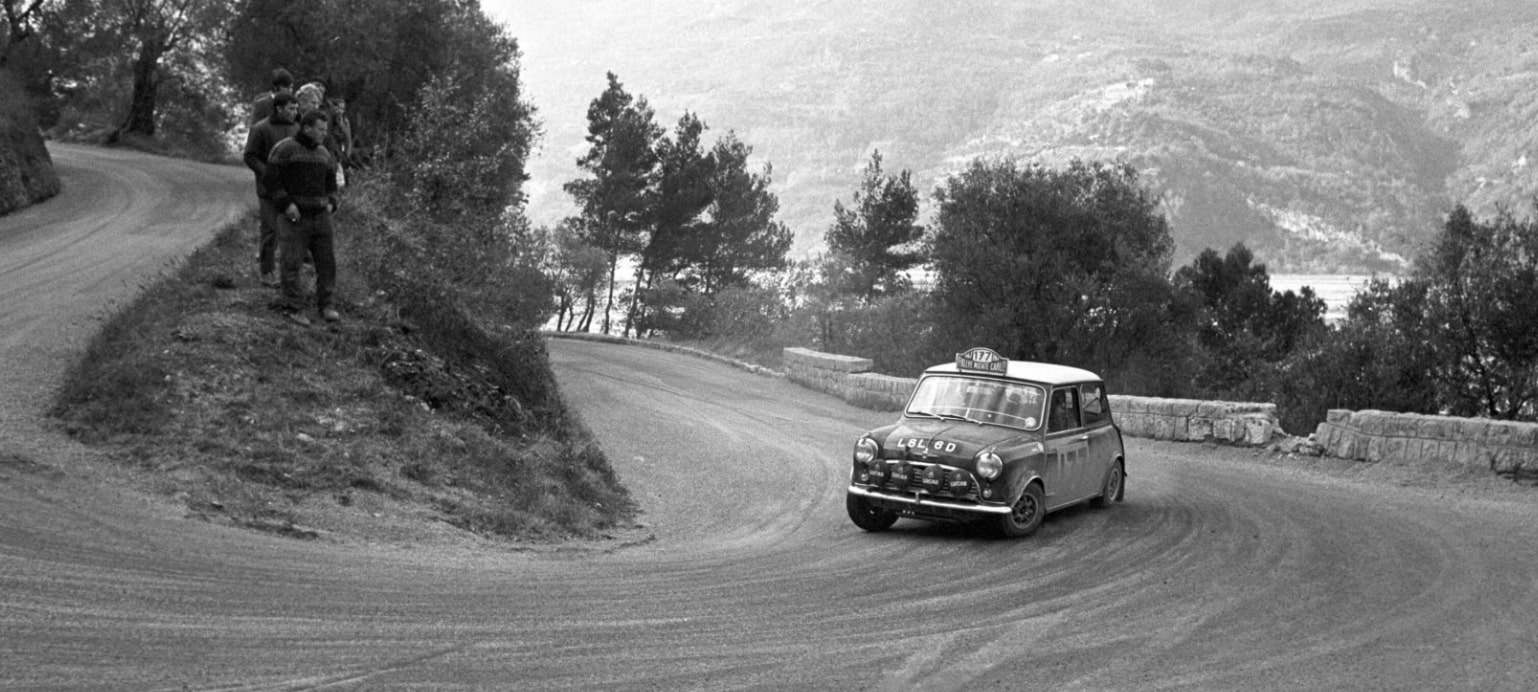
<point x="269" y="279"/>
<point x="299" y="319"/>
<point x="330" y="315"/>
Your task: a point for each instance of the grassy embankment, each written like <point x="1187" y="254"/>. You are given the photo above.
<point x="414" y="412"/>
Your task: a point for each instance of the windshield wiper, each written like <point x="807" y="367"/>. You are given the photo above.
<point x="946" y="416"/>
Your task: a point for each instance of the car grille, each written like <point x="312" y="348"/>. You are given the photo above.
<point x="924" y="478"/>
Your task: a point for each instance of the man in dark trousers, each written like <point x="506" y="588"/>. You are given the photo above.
<point x="262" y="107"/>
<point x="259" y="144"/>
<point x="301" y="174"/>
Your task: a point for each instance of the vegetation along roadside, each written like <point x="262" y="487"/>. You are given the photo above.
<point x="256" y="421"/>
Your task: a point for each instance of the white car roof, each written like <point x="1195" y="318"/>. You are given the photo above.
<point x="1031" y="371"/>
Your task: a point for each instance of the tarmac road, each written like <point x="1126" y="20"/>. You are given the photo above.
<point x="1218" y="572"/>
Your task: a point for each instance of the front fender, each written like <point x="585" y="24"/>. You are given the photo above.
<point x="1018" y="484"/>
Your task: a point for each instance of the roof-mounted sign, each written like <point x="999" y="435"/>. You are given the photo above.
<point x="982" y="360"/>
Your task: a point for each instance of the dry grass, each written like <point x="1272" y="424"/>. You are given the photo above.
<point x="251" y="419"/>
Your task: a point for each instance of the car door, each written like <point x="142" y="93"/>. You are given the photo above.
<point x="1103" y="441"/>
<point x="1067" y="447"/>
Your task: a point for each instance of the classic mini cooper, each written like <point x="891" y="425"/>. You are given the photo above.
<point x="994" y="440"/>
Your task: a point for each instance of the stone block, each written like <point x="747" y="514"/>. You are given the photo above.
<point x="1122" y="402"/>
<point x="1338" y="416"/>
<point x="1394" y="449"/>
<point x="1199" y="428"/>
<point x="1374" y="448"/>
<point x="1472" y="429"/>
<point x="1223" y="429"/>
<point x="1372" y="423"/>
<point x="1467" y="453"/>
<point x="1345" y="446"/>
<point x="1184" y="408"/>
<point x="1527" y="436"/>
<point x="1258" y="430"/>
<point x="1502" y="433"/>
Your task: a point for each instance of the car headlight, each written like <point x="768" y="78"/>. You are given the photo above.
<point x="989" y="465"/>
<point x="866" y="450"/>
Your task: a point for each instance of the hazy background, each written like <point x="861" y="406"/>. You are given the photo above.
<point x="1330" y="137"/>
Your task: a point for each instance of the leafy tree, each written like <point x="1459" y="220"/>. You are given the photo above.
<point x="874" y="241"/>
<point x="617" y="199"/>
<point x="741" y="235"/>
<point x="1376" y="358"/>
<point x="155" y="29"/>
<point x="683" y="196"/>
<point x="378" y="55"/>
<point x="473" y="176"/>
<point x="1243" y="327"/>
<point x="124" y="65"/>
<point x="21" y="20"/>
<point x="1481" y="303"/>
<point x="1058" y="265"/>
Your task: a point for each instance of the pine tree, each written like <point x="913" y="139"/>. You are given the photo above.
<point x="877" y="237"/>
<point x="617" y="199"/>
<point x="741" y="235"/>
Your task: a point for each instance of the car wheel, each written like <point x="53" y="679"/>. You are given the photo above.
<point x="868" y="516"/>
<point x="1115" y="487"/>
<point x="1026" y="514"/>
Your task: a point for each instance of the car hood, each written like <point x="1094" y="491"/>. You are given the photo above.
<point x="949" y="442"/>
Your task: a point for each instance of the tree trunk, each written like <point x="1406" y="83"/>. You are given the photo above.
<point x="141" y="108"/>
<point x="608" y="305"/>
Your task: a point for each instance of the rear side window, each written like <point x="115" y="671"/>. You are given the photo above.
<point x="1095" y="409"/>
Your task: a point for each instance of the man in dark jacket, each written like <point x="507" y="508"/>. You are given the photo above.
<point x="259" y="143"/>
<point x="301" y="174"/>
<point x="262" y="107"/>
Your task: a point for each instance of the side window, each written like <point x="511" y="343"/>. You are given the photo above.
<point x="1095" y="409"/>
<point x="1064" y="413"/>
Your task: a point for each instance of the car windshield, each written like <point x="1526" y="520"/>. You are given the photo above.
<point x="999" y="402"/>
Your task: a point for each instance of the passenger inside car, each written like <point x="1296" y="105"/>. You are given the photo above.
<point x="1064" y="413"/>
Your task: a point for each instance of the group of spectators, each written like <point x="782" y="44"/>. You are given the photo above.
<point x="296" y="147"/>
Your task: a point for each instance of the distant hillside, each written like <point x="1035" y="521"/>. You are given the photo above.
<point x="1329" y="136"/>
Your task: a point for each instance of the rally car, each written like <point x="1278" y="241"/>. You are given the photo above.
<point x="989" y="439"/>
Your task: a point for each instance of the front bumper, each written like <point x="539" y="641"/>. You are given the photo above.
<point x="918" y="504"/>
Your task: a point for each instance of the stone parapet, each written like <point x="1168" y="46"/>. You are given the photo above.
<point x="1478" y="443"/>
<point x="824" y="372"/>
<point x="1194" y="420"/>
<point x="1233" y="422"/>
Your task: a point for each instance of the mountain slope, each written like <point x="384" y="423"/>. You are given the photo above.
<point x="1329" y="136"/>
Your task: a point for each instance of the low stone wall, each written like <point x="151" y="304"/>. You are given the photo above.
<point x="1162" y="419"/>
<point x="1481" y="443"/>
<point x="1193" y="420"/>
<point x="824" y="372"/>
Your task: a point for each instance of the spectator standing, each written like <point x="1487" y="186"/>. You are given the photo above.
<point x="341" y="131"/>
<point x="261" y="109"/>
<point x="311" y="97"/>
<point x="265" y="135"/>
<point x="301" y="174"/>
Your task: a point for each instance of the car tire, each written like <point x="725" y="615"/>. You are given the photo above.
<point x="1026" y="514"/>
<point x="867" y="515"/>
<point x="1114" y="488"/>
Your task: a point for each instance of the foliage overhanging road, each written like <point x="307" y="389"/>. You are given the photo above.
<point x="1218" y="572"/>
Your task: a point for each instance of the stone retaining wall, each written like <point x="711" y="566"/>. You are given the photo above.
<point x="1503" y="446"/>
<point x="1193" y="420"/>
<point x="1164" y="419"/>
